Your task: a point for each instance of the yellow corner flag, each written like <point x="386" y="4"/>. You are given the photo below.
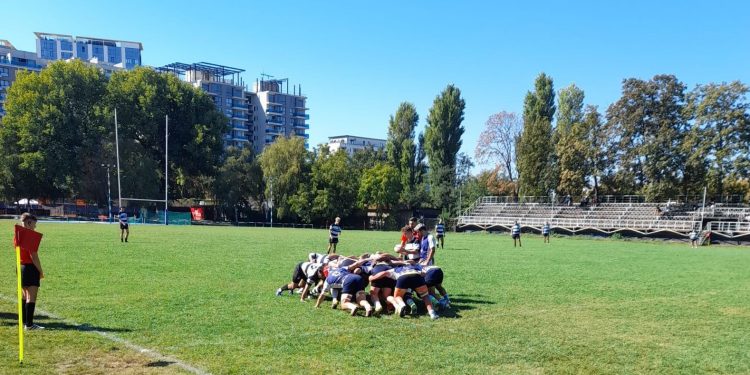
<point x="20" y="305"/>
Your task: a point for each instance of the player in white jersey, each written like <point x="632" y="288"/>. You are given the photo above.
<point x="305" y="273"/>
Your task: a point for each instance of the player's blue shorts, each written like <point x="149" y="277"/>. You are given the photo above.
<point x="352" y="284"/>
<point x="410" y="281"/>
<point x="433" y="277"/>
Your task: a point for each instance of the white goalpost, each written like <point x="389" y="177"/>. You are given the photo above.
<point x="166" y="171"/>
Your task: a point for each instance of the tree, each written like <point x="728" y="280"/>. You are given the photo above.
<point x="379" y="188"/>
<point x="285" y="165"/>
<point x="442" y="143"/>
<point x="144" y="97"/>
<point x="497" y="144"/>
<point x="52" y="135"/>
<point x="401" y="149"/>
<point x="330" y="191"/>
<point x="650" y="123"/>
<point x="240" y="181"/>
<point x="571" y="144"/>
<point x="722" y="128"/>
<point x="597" y="146"/>
<point x="535" y="151"/>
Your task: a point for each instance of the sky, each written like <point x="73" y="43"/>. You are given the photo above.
<point x="356" y="61"/>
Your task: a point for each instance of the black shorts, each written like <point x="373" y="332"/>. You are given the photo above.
<point x="298" y="275"/>
<point x="433" y="277"/>
<point x="515" y="236"/>
<point x="385" y="282"/>
<point x="411" y="281"/>
<point x="545" y="234"/>
<point x="29" y="275"/>
<point x="352" y="284"/>
<point x="333" y="240"/>
<point x="124" y="226"/>
<point x="440" y="236"/>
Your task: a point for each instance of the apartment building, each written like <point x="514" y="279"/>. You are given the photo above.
<point x="353" y="143"/>
<point x="276" y="112"/>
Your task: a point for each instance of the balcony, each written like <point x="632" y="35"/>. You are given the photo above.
<point x="302" y="126"/>
<point x="239" y="105"/>
<point x="300" y="115"/>
<point x="274" y="121"/>
<point x="273" y="131"/>
<point x="239" y="116"/>
<point x="275" y="111"/>
<point x="305" y="136"/>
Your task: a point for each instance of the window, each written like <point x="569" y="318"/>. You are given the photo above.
<point x="4" y="84"/>
<point x="4" y="72"/>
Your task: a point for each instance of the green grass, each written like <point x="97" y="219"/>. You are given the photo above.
<point x="204" y="295"/>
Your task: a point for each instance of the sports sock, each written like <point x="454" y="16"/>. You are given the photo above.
<point x="30" y="314"/>
<point x="23" y="310"/>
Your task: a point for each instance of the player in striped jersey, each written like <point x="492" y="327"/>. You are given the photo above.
<point x="545" y="232"/>
<point x="305" y="273"/>
<point x="440" y="232"/>
<point x="333" y="235"/>
<point x="515" y="232"/>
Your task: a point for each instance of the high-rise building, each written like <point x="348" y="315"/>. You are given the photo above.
<point x="353" y="143"/>
<point x="107" y="54"/>
<point x="277" y="113"/>
<point x="224" y="85"/>
<point x="11" y="61"/>
<point x="104" y="52"/>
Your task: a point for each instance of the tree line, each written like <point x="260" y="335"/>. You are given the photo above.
<point x="58" y="137"/>
<point x="660" y="140"/>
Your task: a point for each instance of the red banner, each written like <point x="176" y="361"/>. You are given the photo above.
<point x="197" y="213"/>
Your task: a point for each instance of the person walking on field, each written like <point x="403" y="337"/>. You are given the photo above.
<point x="333" y="235"/>
<point x="31" y="274"/>
<point x="545" y="232"/>
<point x="124" y="227"/>
<point x="440" y="232"/>
<point x="515" y="232"/>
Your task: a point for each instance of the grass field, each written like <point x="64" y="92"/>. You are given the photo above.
<point x="204" y="296"/>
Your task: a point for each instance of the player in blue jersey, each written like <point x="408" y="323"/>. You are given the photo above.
<point x="407" y="277"/>
<point x="426" y="246"/>
<point x="545" y="232"/>
<point x="351" y="285"/>
<point x="440" y="233"/>
<point x="433" y="277"/>
<point x="124" y="227"/>
<point x="334" y="231"/>
<point x="515" y="232"/>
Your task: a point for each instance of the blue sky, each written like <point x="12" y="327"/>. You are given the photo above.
<point x="356" y="61"/>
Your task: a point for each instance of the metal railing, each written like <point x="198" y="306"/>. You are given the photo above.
<point x="578" y="223"/>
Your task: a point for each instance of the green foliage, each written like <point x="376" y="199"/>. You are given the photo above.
<point x="401" y="150"/>
<point x="442" y="143"/>
<point x="535" y="149"/>
<point x="52" y="134"/>
<point x="720" y="134"/>
<point x="143" y="98"/>
<point x="285" y="166"/>
<point x="650" y="123"/>
<point x="329" y="192"/>
<point x="240" y="180"/>
<point x="379" y="188"/>
<point x="573" y="144"/>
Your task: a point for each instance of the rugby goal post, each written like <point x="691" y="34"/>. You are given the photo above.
<point x="166" y="170"/>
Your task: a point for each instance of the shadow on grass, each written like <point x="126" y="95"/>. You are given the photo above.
<point x="460" y="302"/>
<point x="159" y="364"/>
<point x="10" y="319"/>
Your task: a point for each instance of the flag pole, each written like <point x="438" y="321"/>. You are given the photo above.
<point x="20" y="305"/>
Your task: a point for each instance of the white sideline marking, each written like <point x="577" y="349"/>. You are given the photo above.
<point x="148" y="352"/>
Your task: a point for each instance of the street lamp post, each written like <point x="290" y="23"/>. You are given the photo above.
<point x="109" y="192"/>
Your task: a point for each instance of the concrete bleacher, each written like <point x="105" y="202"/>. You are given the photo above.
<point x="636" y="216"/>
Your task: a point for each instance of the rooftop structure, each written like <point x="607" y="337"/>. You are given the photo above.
<point x="353" y="143"/>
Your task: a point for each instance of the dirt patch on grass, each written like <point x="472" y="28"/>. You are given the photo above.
<point x="115" y="361"/>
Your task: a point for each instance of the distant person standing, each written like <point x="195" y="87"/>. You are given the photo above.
<point x="440" y="232"/>
<point x="515" y="232"/>
<point x="545" y="232"/>
<point x="124" y="226"/>
<point x="694" y="239"/>
<point x="333" y="235"/>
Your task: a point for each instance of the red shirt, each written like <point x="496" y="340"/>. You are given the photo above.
<point x="27" y="251"/>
